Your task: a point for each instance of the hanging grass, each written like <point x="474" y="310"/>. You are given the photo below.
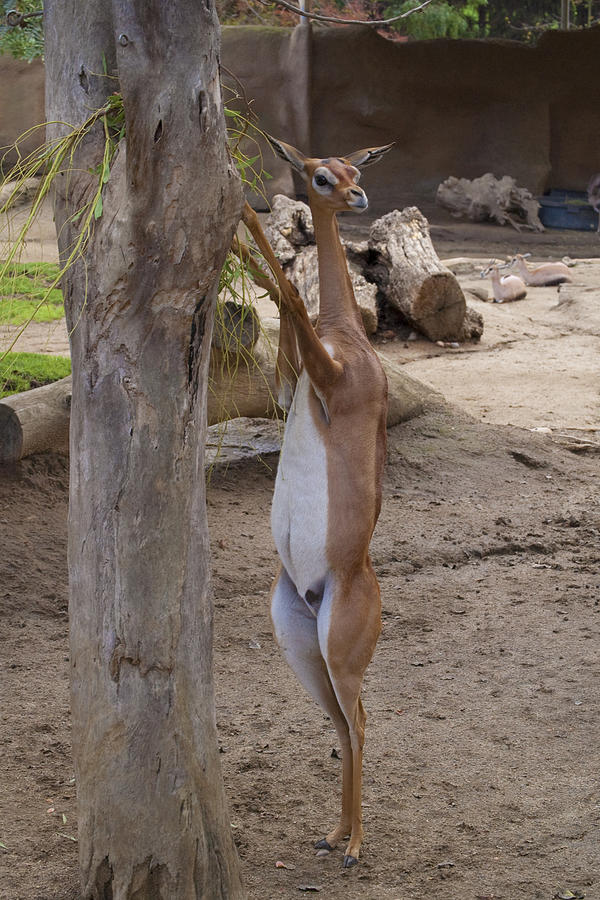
<point x="45" y="300"/>
<point x="23" y="371"/>
<point x="56" y="157"/>
<point x="25" y="294"/>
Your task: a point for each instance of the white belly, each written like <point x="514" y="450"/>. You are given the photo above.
<point x="300" y="502"/>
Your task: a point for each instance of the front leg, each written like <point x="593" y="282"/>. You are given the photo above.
<point x="288" y="364"/>
<point x="322" y="370"/>
<point x="287" y="367"/>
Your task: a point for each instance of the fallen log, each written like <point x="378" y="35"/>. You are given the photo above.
<point x="409" y="273"/>
<point x="240" y="384"/>
<point x="245" y="385"/>
<point x="396" y="267"/>
<point x="35" y="420"/>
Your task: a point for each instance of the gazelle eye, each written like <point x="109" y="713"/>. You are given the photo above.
<point x="321" y="180"/>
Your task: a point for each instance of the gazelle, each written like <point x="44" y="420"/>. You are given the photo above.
<point x="506" y="288"/>
<point x="325" y="602"/>
<point x="546" y="274"/>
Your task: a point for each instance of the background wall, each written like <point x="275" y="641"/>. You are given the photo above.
<point x="21" y="104"/>
<point x="452" y="107"/>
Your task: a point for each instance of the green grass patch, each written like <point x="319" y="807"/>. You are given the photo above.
<point x="23" y="371"/>
<point x="23" y="287"/>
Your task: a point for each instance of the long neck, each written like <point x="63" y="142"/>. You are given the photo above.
<point x="337" y="302"/>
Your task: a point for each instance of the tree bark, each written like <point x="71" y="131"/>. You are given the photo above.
<point x="153" y="821"/>
<point x="412" y="277"/>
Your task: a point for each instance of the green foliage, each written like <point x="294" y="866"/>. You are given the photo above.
<point x="27" y="293"/>
<point x="22" y="371"/>
<point x="441" y="19"/>
<point x="525" y="20"/>
<point x="22" y="42"/>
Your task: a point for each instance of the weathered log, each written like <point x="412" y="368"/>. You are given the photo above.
<point x="304" y="274"/>
<point x="490" y="199"/>
<point x="472" y="326"/>
<point x="410" y="274"/>
<point x="36" y="420"/>
<point x="19" y="192"/>
<point x="289" y="229"/>
<point x="398" y="266"/>
<point x="240" y="384"/>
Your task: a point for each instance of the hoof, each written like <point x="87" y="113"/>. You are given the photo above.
<point x="323" y="845"/>
<point x="350" y="861"/>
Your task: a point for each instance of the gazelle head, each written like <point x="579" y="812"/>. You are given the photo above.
<point x="332" y="182"/>
<point x="519" y="259"/>
<point x="495" y="266"/>
<point x="485" y="272"/>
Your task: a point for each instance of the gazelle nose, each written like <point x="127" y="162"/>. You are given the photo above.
<point x="356" y="198"/>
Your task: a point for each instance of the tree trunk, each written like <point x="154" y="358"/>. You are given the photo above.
<point x="413" y="278"/>
<point x="152" y="816"/>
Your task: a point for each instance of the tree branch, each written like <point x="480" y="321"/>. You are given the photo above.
<point x="337" y="21"/>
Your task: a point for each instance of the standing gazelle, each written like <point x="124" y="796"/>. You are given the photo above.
<point x="325" y="602"/>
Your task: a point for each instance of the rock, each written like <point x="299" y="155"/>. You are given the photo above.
<point x="479" y="293"/>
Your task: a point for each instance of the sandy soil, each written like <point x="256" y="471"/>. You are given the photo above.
<point x="482" y="754"/>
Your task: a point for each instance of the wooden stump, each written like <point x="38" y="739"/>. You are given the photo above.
<point x="412" y="277"/>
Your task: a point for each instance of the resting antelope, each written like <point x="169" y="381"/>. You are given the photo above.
<point x="325" y="602"/>
<point x="506" y="288"/>
<point x="546" y="274"/>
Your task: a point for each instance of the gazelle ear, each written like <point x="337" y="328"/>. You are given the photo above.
<point x="287" y="152"/>
<point x="363" y="158"/>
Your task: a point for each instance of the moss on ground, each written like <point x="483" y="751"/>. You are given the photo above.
<point x="23" y="371"/>
<point x="23" y="287"/>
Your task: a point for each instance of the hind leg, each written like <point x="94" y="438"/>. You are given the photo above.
<point x="348" y="628"/>
<point x="295" y="629"/>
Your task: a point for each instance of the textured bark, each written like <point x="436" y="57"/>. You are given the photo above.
<point x="409" y="273"/>
<point x="152" y="816"/>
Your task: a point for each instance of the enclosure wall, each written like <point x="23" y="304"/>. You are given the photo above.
<point x="452" y="107"/>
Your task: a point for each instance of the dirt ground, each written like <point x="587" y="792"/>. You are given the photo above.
<point x="482" y="753"/>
